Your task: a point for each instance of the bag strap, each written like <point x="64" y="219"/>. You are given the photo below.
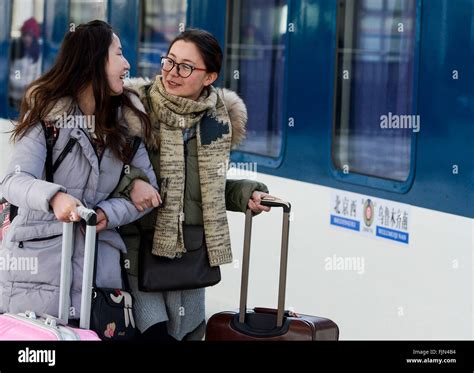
<point x="126" y="283"/>
<point x="136" y="144"/>
<point x="67" y="149"/>
<point x="123" y="271"/>
<point x="51" y="135"/>
<point x="50" y="138"/>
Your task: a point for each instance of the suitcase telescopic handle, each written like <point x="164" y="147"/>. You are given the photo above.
<point x="276" y="202"/>
<point x="90" y="218"/>
<point x="88" y="215"/>
<point x="272" y="202"/>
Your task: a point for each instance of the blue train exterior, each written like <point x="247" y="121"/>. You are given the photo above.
<point x="325" y="82"/>
<point x="444" y="43"/>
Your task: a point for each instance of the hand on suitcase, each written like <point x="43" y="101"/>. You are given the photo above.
<point x="27" y="326"/>
<point x="254" y="202"/>
<point x="64" y="207"/>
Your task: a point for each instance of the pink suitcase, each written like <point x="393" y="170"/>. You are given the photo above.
<point x="29" y="326"/>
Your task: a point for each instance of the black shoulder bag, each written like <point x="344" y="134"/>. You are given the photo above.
<point x="191" y="271"/>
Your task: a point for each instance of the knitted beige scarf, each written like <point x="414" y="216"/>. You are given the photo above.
<point x="213" y="134"/>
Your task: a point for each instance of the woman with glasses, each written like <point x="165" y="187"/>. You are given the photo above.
<point x="194" y="127"/>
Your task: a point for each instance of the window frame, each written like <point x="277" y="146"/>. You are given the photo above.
<point x="241" y="156"/>
<point x="358" y="178"/>
<point x="106" y="11"/>
<point x="139" y="43"/>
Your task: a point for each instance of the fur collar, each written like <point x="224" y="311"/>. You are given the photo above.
<point x="64" y="105"/>
<point x="234" y="104"/>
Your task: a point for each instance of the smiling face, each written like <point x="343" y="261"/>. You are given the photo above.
<point x="192" y="86"/>
<point x="116" y="67"/>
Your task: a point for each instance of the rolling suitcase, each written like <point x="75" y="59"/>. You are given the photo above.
<point x="29" y="326"/>
<point x="266" y="324"/>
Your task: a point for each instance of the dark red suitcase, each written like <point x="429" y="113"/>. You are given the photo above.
<point x="265" y="324"/>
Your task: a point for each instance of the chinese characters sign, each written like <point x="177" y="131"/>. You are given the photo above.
<point x="370" y="216"/>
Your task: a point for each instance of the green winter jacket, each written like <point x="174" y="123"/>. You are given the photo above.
<point x="237" y="194"/>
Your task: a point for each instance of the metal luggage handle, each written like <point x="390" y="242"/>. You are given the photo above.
<point x="272" y="202"/>
<point x="90" y="217"/>
<point x="276" y="202"/>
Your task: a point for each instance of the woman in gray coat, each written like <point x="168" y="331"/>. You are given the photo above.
<point x="82" y="97"/>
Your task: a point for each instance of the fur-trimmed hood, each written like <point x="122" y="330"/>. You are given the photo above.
<point x="234" y="104"/>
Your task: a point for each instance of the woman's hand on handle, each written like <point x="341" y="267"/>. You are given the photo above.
<point x="144" y="196"/>
<point x="64" y="207"/>
<point x="254" y="202"/>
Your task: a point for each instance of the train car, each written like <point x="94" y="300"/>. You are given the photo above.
<point x="361" y="114"/>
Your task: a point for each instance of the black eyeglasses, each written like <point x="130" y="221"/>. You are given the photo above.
<point x="184" y="70"/>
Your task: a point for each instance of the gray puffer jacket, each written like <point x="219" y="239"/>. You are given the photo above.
<point x="31" y="250"/>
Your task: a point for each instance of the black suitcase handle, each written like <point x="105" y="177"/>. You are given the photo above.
<point x="273" y="202"/>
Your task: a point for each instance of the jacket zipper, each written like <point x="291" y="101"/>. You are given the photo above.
<point x="20" y="244"/>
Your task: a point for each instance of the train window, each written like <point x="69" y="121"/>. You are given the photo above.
<point x="83" y="11"/>
<point x="161" y="22"/>
<point x="374" y="102"/>
<point x="254" y="67"/>
<point x="25" y="47"/>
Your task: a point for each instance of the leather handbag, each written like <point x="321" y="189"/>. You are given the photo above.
<point x="190" y="271"/>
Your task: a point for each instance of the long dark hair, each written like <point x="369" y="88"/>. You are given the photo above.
<point x="81" y="61"/>
<point x="207" y="45"/>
